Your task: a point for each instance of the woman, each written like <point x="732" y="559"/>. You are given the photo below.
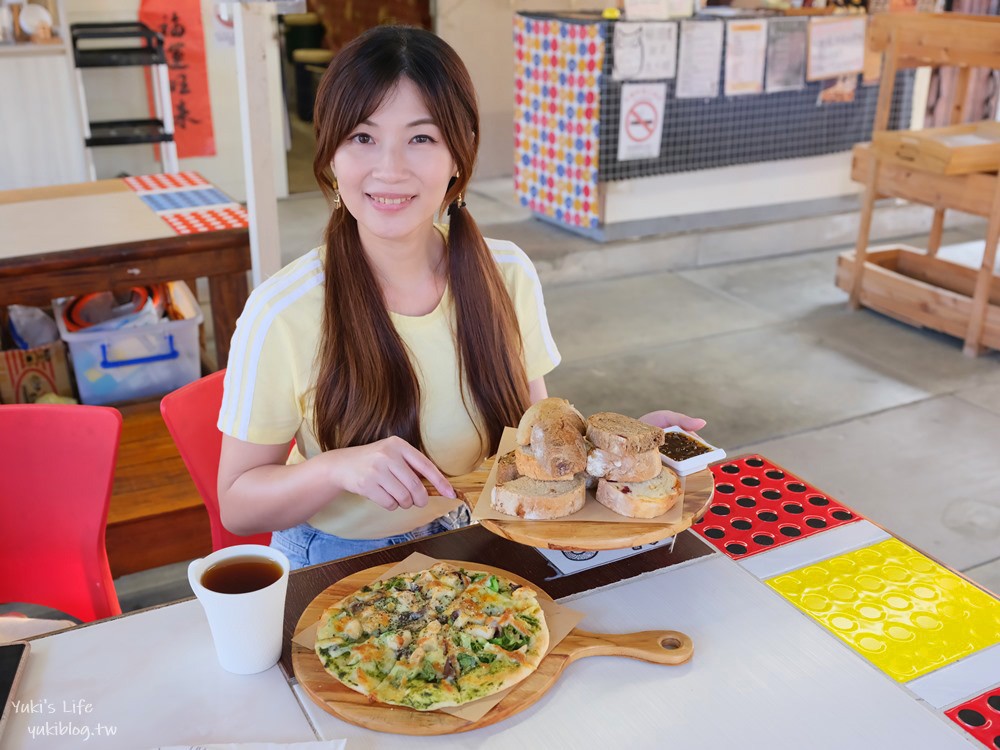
<point x="399" y="350"/>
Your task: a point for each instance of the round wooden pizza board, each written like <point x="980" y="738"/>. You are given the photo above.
<point x="658" y="646"/>
<point x="594" y="535"/>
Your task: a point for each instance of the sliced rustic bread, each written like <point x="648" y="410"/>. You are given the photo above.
<point x="556" y="462"/>
<point x="536" y="500"/>
<point x="555" y="414"/>
<point x="622" y="435"/>
<point x="641" y="499"/>
<point x="636" y="467"/>
<point x="507" y="468"/>
<point x="551" y="437"/>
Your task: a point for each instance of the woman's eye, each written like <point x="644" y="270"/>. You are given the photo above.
<point x="423" y="139"/>
<point x="361" y="138"/>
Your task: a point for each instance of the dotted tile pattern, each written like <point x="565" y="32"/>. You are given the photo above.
<point x="193" y="222"/>
<point x="557" y="79"/>
<point x="758" y="506"/>
<point x="980" y="717"/>
<point x="188" y="202"/>
<point x="157" y="182"/>
<point x="894" y="606"/>
<point x="177" y="200"/>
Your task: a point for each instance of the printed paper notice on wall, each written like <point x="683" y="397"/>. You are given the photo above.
<point x="786" y="55"/>
<point x="647" y="10"/>
<point x="640" y="128"/>
<point x="746" y="45"/>
<point x="645" y="51"/>
<point x="699" y="59"/>
<point x="836" y="47"/>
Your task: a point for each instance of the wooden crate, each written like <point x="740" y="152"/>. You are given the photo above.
<point x="905" y="283"/>
<point x="955" y="149"/>
<point x="971" y="193"/>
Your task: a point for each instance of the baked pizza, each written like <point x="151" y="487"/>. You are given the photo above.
<point x="439" y="637"/>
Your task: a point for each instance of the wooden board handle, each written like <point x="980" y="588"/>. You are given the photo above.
<point x="658" y="646"/>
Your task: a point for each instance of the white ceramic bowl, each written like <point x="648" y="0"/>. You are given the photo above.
<point x="695" y="463"/>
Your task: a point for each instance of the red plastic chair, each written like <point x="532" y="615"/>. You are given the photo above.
<point x="57" y="467"/>
<point x="191" y="414"/>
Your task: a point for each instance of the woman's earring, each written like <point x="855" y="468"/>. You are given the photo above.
<point x="336" y="196"/>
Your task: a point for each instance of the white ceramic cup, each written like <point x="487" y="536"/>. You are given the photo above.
<point x="246" y="628"/>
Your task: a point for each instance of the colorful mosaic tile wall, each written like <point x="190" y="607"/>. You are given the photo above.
<point x="557" y="79"/>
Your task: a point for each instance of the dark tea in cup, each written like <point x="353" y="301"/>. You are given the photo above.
<point x="241" y="575"/>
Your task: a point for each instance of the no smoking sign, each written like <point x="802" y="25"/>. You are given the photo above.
<point x="640" y="128"/>
<point x="641" y="121"/>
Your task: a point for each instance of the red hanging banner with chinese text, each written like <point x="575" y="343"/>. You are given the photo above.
<point x="179" y="22"/>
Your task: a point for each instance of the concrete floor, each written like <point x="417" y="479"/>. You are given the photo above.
<point x="892" y="421"/>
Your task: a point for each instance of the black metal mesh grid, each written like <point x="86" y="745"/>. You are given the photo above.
<point x="724" y="131"/>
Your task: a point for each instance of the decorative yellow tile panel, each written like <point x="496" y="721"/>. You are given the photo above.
<point x="905" y="613"/>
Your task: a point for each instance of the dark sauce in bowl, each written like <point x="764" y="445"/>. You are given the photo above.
<point x="678" y="446"/>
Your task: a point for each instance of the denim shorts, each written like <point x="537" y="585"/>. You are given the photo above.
<point x="306" y="545"/>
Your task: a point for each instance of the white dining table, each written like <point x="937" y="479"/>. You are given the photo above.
<point x="763" y="675"/>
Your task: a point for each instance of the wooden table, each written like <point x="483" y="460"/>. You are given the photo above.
<point x="97" y="236"/>
<point x="765" y="673"/>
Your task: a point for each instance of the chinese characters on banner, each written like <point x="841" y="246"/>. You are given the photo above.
<point x="179" y="22"/>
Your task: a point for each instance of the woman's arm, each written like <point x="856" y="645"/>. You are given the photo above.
<point x="537" y="390"/>
<point x="258" y="492"/>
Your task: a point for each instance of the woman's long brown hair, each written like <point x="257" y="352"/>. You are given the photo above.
<point x="367" y="388"/>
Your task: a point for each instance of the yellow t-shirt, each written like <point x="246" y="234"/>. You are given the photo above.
<point x="272" y="371"/>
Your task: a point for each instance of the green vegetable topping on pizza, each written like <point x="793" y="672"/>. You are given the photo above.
<point x="439" y="637"/>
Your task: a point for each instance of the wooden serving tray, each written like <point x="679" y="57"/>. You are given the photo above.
<point x="699" y="489"/>
<point x="658" y="646"/>
<point x="594" y="536"/>
<point x="950" y="150"/>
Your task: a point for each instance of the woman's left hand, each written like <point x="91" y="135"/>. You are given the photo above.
<point x="664" y="418"/>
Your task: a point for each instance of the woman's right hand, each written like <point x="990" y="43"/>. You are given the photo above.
<point x="388" y="473"/>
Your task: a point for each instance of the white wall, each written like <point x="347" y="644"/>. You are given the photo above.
<point x="119" y="93"/>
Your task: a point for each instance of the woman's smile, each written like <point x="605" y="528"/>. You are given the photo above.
<point x="390" y="201"/>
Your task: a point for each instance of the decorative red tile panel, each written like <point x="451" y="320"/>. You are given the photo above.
<point x="155" y="182"/>
<point x="758" y="506"/>
<point x="980" y="717"/>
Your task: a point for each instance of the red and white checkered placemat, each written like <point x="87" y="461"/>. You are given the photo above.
<point x="188" y="202"/>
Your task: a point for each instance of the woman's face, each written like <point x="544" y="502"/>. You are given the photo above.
<point x="393" y="169"/>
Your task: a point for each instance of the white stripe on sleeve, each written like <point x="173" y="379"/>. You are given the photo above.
<point x="250" y="337"/>
<point x="520" y="258"/>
